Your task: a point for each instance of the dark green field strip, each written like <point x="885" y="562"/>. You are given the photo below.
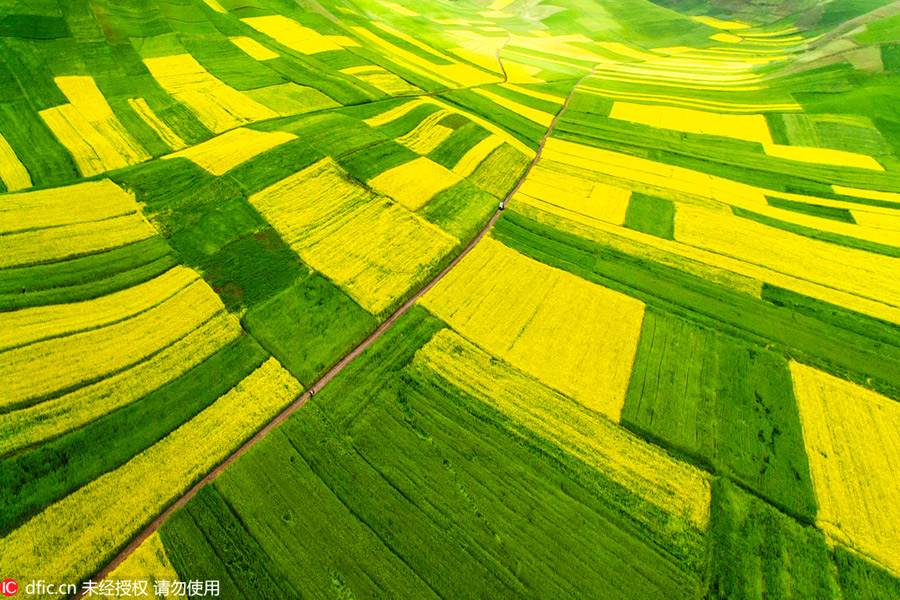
<point x="737" y="160"/>
<point x="47" y="161"/>
<point x="815" y="210"/>
<point x="227" y="222"/>
<point x="526" y="131"/>
<point x="460" y="210"/>
<point x="252" y="269"/>
<point x="419" y="486"/>
<point x="460" y="141"/>
<point x="757" y="552"/>
<point x="229" y="63"/>
<point x="406" y="123"/>
<point x="724" y="403"/>
<point x="208" y="533"/>
<point x="366" y="163"/>
<point x="309" y="326"/>
<point x="651" y="214"/>
<point x="35" y="478"/>
<point x="861" y="580"/>
<point x="849" y="354"/>
<point x="86" y="277"/>
<point x="816" y="234"/>
<point x="545" y="105"/>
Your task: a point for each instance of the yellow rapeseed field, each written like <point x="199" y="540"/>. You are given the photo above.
<point x="724" y="106"/>
<point x="871" y="194"/>
<point x="720" y="24"/>
<point x="57" y="243"/>
<point x="455" y="74"/>
<point x="392" y="114"/>
<point x="476" y="155"/>
<point x="13" y="173"/>
<point x="84" y="95"/>
<point x="428" y="134"/>
<point x="35" y="424"/>
<point x="381" y="79"/>
<point x="73" y="538"/>
<point x="852" y="438"/>
<point x="149" y="563"/>
<point x="224" y="152"/>
<point x="864" y="274"/>
<point x="253" y="48"/>
<point x="532" y="114"/>
<point x="54" y="365"/>
<point x="213" y="4"/>
<point x="824" y="156"/>
<point x="575" y="336"/>
<point x="415" y="183"/>
<point x="292" y="34"/>
<point x="165" y="133"/>
<point x="728" y="38"/>
<point x="752" y="128"/>
<point x="573" y="197"/>
<point x="676" y="487"/>
<point x="533" y="93"/>
<point x="219" y="107"/>
<point x="375" y="249"/>
<point x="400" y="10"/>
<point x="28" y="325"/>
<point x="562" y="46"/>
<point x="79" y="203"/>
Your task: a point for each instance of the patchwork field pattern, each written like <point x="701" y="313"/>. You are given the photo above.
<point x="646" y="253"/>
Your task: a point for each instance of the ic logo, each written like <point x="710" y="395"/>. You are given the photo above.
<point x="10" y="587"/>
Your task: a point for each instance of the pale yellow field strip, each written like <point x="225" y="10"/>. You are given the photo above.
<point x="253" y="48"/>
<point x="732" y="107"/>
<point x="218" y="106"/>
<point x="507" y="137"/>
<point x="428" y="134"/>
<point x="376" y="250"/>
<point x="728" y="38"/>
<point x="57" y="364"/>
<point x="28" y="325"/>
<point x="870" y="194"/>
<point x="93" y="153"/>
<point x="35" y="424"/>
<point x="293" y="35"/>
<point x="575" y="336"/>
<point x="382" y="79"/>
<point x="84" y="95"/>
<point x="642" y="468"/>
<point x="823" y="156"/>
<point x="721" y="24"/>
<point x="752" y="128"/>
<point x="453" y="75"/>
<point x="532" y="114"/>
<point x="476" y="154"/>
<point x="533" y="93"/>
<point x="223" y="153"/>
<point x="562" y="46"/>
<point x="13" y="173"/>
<point x="70" y="540"/>
<point x="857" y="272"/>
<point x="495" y="14"/>
<point x="876" y="220"/>
<point x="213" y="4"/>
<point x="391" y="115"/>
<point x="288" y="99"/>
<point x="500" y="4"/>
<point x="149" y="563"/>
<point x="79" y="203"/>
<point x="400" y="10"/>
<point x="415" y="183"/>
<point x="57" y="243"/>
<point x="852" y="438"/>
<point x="165" y="133"/>
<point x="627" y="51"/>
<point x="574" y="197"/>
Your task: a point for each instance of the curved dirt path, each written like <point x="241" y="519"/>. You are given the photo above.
<point x="336" y="369"/>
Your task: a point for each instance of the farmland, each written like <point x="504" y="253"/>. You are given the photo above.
<point x="470" y="299"/>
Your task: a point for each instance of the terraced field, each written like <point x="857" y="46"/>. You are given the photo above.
<point x="470" y="299"/>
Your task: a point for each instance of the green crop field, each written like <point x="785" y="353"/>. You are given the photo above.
<point x="450" y="299"/>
